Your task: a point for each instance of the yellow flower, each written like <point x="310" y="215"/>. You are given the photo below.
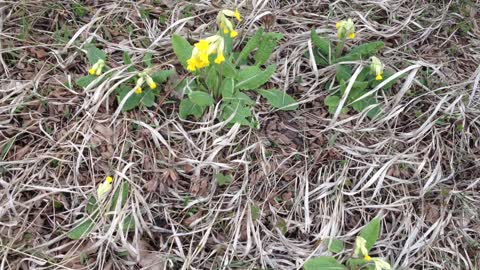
<point x="367" y="258"/>
<point x="231" y="13"/>
<point x="360" y="246"/>
<point x="138" y="85"/>
<point x="97" y="68"/>
<point x="377" y="68"/>
<point x="104" y="187"/>
<point x="138" y="90"/>
<point x="345" y="29"/>
<point x="225" y="25"/>
<point x="220" y="58"/>
<point x="150" y="82"/>
<point x="203" y="49"/>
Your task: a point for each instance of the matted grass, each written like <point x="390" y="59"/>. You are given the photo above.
<point x="303" y="177"/>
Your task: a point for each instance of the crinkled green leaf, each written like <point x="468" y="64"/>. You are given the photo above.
<point x="212" y="79"/>
<point x="162" y="76"/>
<point x="344" y="72"/>
<point x="322" y="44"/>
<point x="147" y="59"/>
<point x="253" y="77"/>
<point x="229" y="70"/>
<point x="128" y="224"/>
<point x="371" y="232"/>
<point x="265" y="49"/>
<point x="223" y="179"/>
<point x="94" y="54"/>
<point x="86" y="80"/>
<point x="132" y="102"/>
<point x="82" y="229"/>
<point x="187" y="107"/>
<point x="363" y="51"/>
<point x="201" y="98"/>
<point x="228" y="88"/>
<point x="335" y="245"/>
<point x="128" y="61"/>
<point x="121" y="194"/>
<point x="279" y="99"/>
<point x="323" y="263"/>
<point x="242" y="113"/>
<point x="251" y="45"/>
<point x="182" y="49"/>
<point x="148" y="98"/>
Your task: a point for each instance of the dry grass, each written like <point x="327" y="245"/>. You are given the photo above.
<point x="301" y="178"/>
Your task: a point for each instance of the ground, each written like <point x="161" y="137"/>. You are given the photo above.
<point x="298" y="180"/>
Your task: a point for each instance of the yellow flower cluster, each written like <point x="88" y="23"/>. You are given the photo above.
<point x="377" y="68"/>
<point x="345" y="29"/>
<point x="96" y="69"/>
<point x="226" y="26"/>
<point x="361" y="250"/>
<point x="144" y="77"/>
<point x="203" y="49"/>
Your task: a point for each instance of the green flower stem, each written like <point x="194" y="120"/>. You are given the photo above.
<point x="339" y="49"/>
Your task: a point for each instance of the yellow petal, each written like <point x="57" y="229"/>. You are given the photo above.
<point x="202" y="45"/>
<point x="338" y="25"/>
<point x="138" y="90"/>
<point x="351" y="36"/>
<point x="91" y="71"/>
<point x="220" y="58"/>
<point x="379" y="77"/>
<point x="367" y="258"/>
<point x="237" y="15"/>
<point x="109" y="179"/>
<point x="233" y="34"/>
<point x="225" y="31"/>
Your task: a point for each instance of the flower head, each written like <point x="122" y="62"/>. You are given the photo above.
<point x="377" y="68"/>
<point x="150" y="82"/>
<point x="104" y="187"/>
<point x="96" y="69"/>
<point x="345" y="29"/>
<point x="224" y="23"/>
<point x="203" y="49"/>
<point x="138" y="85"/>
<point x="360" y="246"/>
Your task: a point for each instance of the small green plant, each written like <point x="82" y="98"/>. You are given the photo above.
<point x="222" y="75"/>
<point x="131" y="93"/>
<point x="360" y="258"/>
<point x="369" y="78"/>
<point x="98" y="205"/>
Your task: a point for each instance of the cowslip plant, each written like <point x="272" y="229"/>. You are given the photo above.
<point x="99" y="204"/>
<point x="369" y="78"/>
<point x="360" y="259"/>
<point x="142" y="89"/>
<point x="219" y="74"/>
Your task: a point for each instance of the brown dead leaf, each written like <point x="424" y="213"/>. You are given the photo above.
<point x="188" y="221"/>
<point x="151" y="185"/>
<point x="432" y="213"/>
<point x="21" y="153"/>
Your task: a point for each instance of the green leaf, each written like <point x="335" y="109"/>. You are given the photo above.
<point x="332" y="103"/>
<point x="344" y="72"/>
<point x="363" y="51"/>
<point x="82" y="229"/>
<point x="322" y="44"/>
<point x="162" y="76"/>
<point x="128" y="61"/>
<point x="335" y="245"/>
<point x="86" y="80"/>
<point x="94" y="54"/>
<point x="279" y="99"/>
<point x="212" y="79"/>
<point x="223" y="179"/>
<point x="148" y="98"/>
<point x="128" y="224"/>
<point x="6" y="148"/>
<point x="147" y="59"/>
<point x="241" y="113"/>
<point x="253" y="77"/>
<point x="92" y="205"/>
<point x="227" y="90"/>
<point x="201" y="98"/>
<point x="120" y="194"/>
<point x="370" y="232"/>
<point x="265" y="49"/>
<point x="323" y="263"/>
<point x="182" y="49"/>
<point x="229" y="70"/>
<point x="187" y="107"/>
<point x="132" y="102"/>
<point x="251" y="45"/>
<point x="244" y="98"/>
